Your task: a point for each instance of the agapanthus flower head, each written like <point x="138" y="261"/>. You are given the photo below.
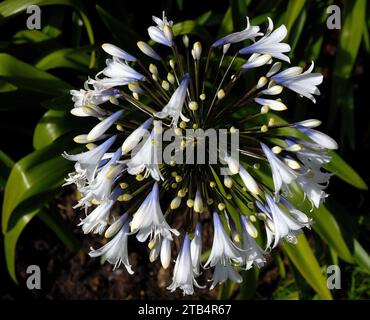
<point x="177" y="146"/>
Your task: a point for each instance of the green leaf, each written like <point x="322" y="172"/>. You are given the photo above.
<point x="345" y="59"/>
<point x="344" y="171"/>
<point x="9" y="8"/>
<point x="7" y="87"/>
<point x="54" y="124"/>
<point x="226" y="24"/>
<point x="361" y="257"/>
<point x="33" y="180"/>
<point x="6" y="164"/>
<point x="28" y="77"/>
<point x="191" y="27"/>
<point x="249" y="284"/>
<point x="292" y="13"/>
<point x="305" y="261"/>
<point x="71" y="58"/>
<point x="10" y="242"/>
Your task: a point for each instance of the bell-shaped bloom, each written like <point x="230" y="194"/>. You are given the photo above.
<point x="318" y="137"/>
<point x="149" y="220"/>
<point x="312" y="179"/>
<point x="284" y="226"/>
<point x="165" y="253"/>
<point x="134" y="138"/>
<point x="115" y="251"/>
<point x="223" y="249"/>
<point x="117" y="52"/>
<point x="270" y="43"/>
<point x="147" y="158"/>
<point x="88" y="162"/>
<point x="198" y="202"/>
<point x="249" y="181"/>
<point x="250" y="32"/>
<point x="233" y="164"/>
<point x="224" y="272"/>
<point x="118" y="74"/>
<point x="196" y="249"/>
<point x="159" y="33"/>
<point x="173" y="108"/>
<point x="281" y="173"/>
<point x="92" y="97"/>
<point x="275" y="105"/>
<point x="97" y="220"/>
<point x="103" y="126"/>
<point x="255" y="61"/>
<point x="305" y="84"/>
<point x="148" y="50"/>
<point x="253" y="255"/>
<point x="100" y="188"/>
<point x="183" y="276"/>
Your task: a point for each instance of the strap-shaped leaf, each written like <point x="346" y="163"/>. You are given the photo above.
<point x="10" y="242"/>
<point x="305" y="261"/>
<point x="6" y="164"/>
<point x="54" y="124"/>
<point x="28" y="77"/>
<point x="33" y="179"/>
<point x="344" y="171"/>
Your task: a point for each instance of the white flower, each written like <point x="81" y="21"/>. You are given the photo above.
<point x="134" y="138"/>
<point x="233" y="164"/>
<point x="148" y="50"/>
<point x="256" y="60"/>
<point x="118" y="74"/>
<point x="304" y="83"/>
<point x="100" y="188"/>
<point x="318" y="137"/>
<point x="312" y="180"/>
<point x="272" y="104"/>
<point x="198" y="202"/>
<point x="284" y="226"/>
<point x="270" y="43"/>
<point x="117" y="52"/>
<point x="249" y="181"/>
<point x="149" y="220"/>
<point x="224" y="272"/>
<point x="147" y="158"/>
<point x="88" y="162"/>
<point x="103" y="126"/>
<point x="223" y="249"/>
<point x="250" y="32"/>
<point x="166" y="253"/>
<point x="196" y="249"/>
<point x="174" y="107"/>
<point x="254" y="255"/>
<point x="281" y="173"/>
<point x="160" y="33"/>
<point x="183" y="276"/>
<point x="89" y="98"/>
<point x="115" y="251"/>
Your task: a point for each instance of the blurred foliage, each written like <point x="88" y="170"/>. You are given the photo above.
<point x="39" y="67"/>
